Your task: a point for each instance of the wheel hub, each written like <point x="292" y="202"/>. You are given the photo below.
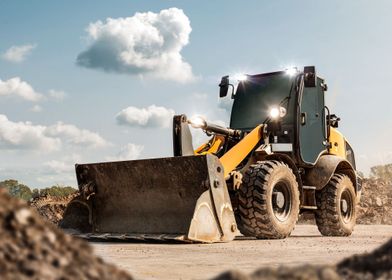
<point x="281" y="201"/>
<point x="346" y="206"/>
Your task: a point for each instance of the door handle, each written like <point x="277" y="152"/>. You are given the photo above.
<point x="303" y="118"/>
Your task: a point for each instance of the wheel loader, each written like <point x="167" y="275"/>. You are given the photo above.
<point x="281" y="155"/>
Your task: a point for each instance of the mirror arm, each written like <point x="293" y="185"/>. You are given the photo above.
<point x="232" y="91"/>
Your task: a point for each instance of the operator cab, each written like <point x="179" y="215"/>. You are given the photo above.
<point x="272" y="99"/>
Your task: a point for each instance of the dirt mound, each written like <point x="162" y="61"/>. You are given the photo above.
<point x="375" y="265"/>
<point x="306" y="272"/>
<point x="50" y="207"/>
<point x="31" y="248"/>
<point x="376" y="203"/>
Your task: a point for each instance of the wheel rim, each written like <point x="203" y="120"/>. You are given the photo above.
<point x="281" y="201"/>
<point x="346" y="206"/>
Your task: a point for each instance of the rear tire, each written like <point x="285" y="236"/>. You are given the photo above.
<point x="336" y="214"/>
<point x="268" y="201"/>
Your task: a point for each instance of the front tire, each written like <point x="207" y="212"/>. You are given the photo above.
<point x="268" y="201"/>
<point x="336" y="214"/>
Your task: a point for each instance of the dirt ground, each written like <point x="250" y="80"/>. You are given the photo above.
<point x="204" y="261"/>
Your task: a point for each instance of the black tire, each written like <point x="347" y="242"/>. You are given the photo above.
<point x="261" y="211"/>
<point x="336" y="214"/>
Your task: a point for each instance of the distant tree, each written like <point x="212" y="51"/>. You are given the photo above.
<point x="21" y="191"/>
<point x="16" y="189"/>
<point x="58" y="191"/>
<point x="8" y="183"/>
<point x="35" y="193"/>
<point x="383" y="172"/>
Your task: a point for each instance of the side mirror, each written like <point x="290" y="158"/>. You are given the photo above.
<point x="310" y="78"/>
<point x="224" y="86"/>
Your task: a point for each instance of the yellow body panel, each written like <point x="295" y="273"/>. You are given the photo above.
<point x="211" y="147"/>
<point x="338" y="145"/>
<point x="236" y="154"/>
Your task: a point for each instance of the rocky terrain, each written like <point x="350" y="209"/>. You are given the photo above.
<point x="50" y="207"/>
<point x="376" y="203"/>
<point x="375" y="207"/>
<point x="32" y="248"/>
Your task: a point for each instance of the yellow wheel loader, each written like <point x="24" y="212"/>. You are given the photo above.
<point x="281" y="155"/>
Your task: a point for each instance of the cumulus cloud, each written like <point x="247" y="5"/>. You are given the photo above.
<point x="26" y="136"/>
<point x="17" y="87"/>
<point x="18" y="53"/>
<point x="64" y="165"/>
<point x="152" y="116"/>
<point x="128" y="152"/>
<point x="146" y="43"/>
<point x="74" y="135"/>
<point x="58" y="95"/>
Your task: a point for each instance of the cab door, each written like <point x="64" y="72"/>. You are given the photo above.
<point x="312" y="123"/>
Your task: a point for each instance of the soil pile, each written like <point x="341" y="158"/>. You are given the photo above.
<point x="375" y="206"/>
<point x="31" y="248"/>
<point x="306" y="272"/>
<point x="376" y="265"/>
<point x="50" y="207"/>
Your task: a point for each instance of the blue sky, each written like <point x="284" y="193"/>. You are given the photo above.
<point x="74" y="116"/>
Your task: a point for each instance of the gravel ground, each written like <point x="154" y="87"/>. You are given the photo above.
<point x="204" y="261"/>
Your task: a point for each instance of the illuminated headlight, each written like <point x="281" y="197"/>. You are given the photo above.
<point x="197" y="122"/>
<point x="291" y="71"/>
<point x="276" y="112"/>
<point x="241" y="77"/>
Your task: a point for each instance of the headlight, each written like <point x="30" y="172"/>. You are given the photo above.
<point x="197" y="122"/>
<point x="291" y="71"/>
<point x="276" y="112"/>
<point x="241" y="77"/>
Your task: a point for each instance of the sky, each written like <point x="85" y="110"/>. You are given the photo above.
<point x="88" y="81"/>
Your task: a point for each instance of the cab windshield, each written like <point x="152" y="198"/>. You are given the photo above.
<point x="255" y="97"/>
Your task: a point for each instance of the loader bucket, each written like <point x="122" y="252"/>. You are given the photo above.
<point x="184" y="197"/>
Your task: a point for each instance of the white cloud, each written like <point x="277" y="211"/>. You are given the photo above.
<point x="36" y="109"/>
<point x="152" y="116"/>
<point x="146" y="43"/>
<point x="26" y="136"/>
<point x="17" y="87"/>
<point x="18" y="53"/>
<point x="57" y="94"/>
<point x="65" y="165"/>
<point x="128" y="152"/>
<point x="74" y="135"/>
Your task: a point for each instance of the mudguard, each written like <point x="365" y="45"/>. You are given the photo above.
<point x="326" y="166"/>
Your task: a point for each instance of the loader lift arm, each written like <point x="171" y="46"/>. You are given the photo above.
<point x="231" y="159"/>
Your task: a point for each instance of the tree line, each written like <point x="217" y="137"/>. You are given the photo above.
<point x="24" y="192"/>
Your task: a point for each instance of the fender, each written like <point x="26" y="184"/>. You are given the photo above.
<point x="326" y="166"/>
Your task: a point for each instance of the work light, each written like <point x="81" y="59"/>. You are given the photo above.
<point x="197" y="122"/>
<point x="276" y="112"/>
